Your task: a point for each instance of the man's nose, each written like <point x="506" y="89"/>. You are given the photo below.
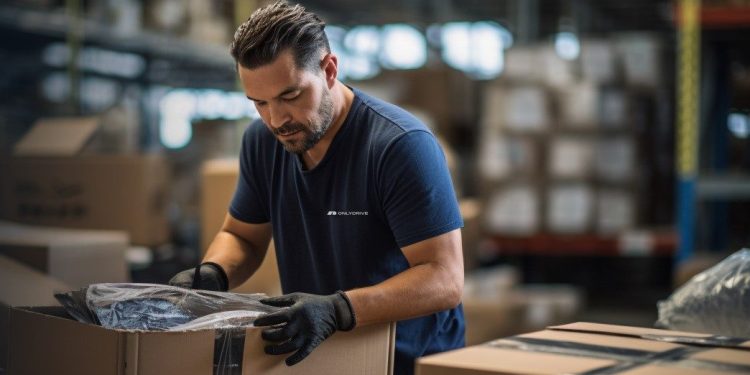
<point x="278" y="115"/>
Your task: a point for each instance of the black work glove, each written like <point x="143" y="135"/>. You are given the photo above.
<point x="308" y="321"/>
<point x="207" y="276"/>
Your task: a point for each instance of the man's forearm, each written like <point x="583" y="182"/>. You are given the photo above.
<point x="236" y="256"/>
<point x="420" y="290"/>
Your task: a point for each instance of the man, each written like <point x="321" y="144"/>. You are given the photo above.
<point x="355" y="192"/>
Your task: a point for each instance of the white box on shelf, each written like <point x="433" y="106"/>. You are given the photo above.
<point x="513" y="210"/>
<point x="570" y="157"/>
<point x="613" y="109"/>
<point x="615" y="158"/>
<point x="641" y="57"/>
<point x="526" y="109"/>
<point x="501" y="156"/>
<point x="615" y="211"/>
<point x="598" y="61"/>
<point x="579" y="105"/>
<point x="570" y="208"/>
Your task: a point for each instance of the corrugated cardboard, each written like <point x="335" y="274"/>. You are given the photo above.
<point x="57" y="136"/>
<point x="219" y="180"/>
<point x="76" y="257"/>
<point x="584" y="347"/>
<point x="70" y="347"/>
<point x="22" y="286"/>
<point x="116" y="192"/>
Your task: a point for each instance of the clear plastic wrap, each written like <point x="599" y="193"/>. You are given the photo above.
<point x="716" y="301"/>
<point x="154" y="307"/>
<point x="220" y="320"/>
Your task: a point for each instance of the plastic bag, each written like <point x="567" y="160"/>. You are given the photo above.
<point x="219" y="320"/>
<point x="154" y="307"/>
<point x="715" y="301"/>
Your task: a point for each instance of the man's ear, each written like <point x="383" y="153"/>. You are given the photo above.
<point x="330" y="67"/>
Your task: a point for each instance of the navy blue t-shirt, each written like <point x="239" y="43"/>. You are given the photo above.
<point x="382" y="185"/>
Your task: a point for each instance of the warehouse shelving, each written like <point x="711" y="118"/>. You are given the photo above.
<point x="698" y="182"/>
<point x="57" y="24"/>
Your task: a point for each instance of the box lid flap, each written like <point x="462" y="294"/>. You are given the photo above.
<point x="670" y="370"/>
<point x="590" y="339"/>
<point x="24" y="286"/>
<point x="57" y="137"/>
<point x="65" y="344"/>
<point x="623" y="330"/>
<point x="690" y="338"/>
<point x="34" y="235"/>
<point x="505" y="361"/>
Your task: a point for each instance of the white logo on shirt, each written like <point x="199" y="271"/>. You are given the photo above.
<point x="347" y="213"/>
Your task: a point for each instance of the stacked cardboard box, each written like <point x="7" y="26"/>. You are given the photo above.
<point x="76" y="257"/>
<point x="219" y="179"/>
<point x="596" y="348"/>
<point x="52" y="180"/>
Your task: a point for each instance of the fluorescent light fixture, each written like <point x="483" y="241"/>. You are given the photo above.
<point x="739" y="124"/>
<point x="363" y="41"/>
<point x="474" y="48"/>
<point x="98" y="60"/>
<point x="567" y="45"/>
<point x="179" y="108"/>
<point x="404" y="47"/>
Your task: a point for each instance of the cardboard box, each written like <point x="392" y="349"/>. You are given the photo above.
<point x="219" y="180"/>
<point x="491" y="307"/>
<point x="118" y="192"/>
<point x="69" y="347"/>
<point x="57" y="137"/>
<point x="591" y="347"/>
<point x="76" y="257"/>
<point x="22" y="286"/>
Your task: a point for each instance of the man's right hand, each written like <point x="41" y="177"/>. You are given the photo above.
<point x="207" y="276"/>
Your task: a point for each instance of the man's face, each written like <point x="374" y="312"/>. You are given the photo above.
<point x="295" y="104"/>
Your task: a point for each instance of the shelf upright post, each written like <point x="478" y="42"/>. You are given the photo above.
<point x="688" y="103"/>
<point x="74" y="36"/>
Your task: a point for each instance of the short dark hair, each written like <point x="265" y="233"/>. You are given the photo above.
<point x="276" y="27"/>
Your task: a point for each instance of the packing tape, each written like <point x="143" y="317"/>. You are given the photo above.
<point x="627" y="358"/>
<point x="713" y="341"/>
<point x="229" y="347"/>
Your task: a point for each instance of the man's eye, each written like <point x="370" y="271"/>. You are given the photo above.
<point x="260" y="104"/>
<point x="290" y="98"/>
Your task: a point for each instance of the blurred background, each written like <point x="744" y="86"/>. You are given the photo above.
<point x="599" y="149"/>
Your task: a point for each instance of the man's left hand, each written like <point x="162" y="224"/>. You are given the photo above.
<point x="308" y="320"/>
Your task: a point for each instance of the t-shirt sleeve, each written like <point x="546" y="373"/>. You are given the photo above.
<point x="248" y="203"/>
<point x="417" y="194"/>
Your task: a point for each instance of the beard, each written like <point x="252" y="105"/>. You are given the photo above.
<point x="313" y="132"/>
